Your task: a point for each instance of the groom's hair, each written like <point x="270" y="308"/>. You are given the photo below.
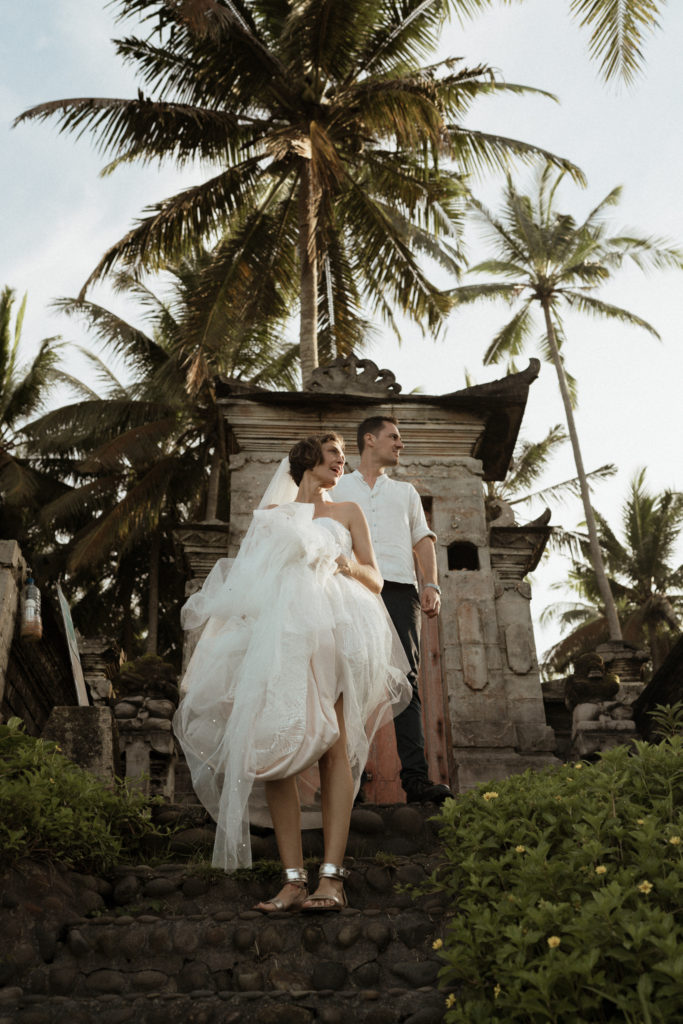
<point x="372" y="425"/>
<point x="308" y="454"/>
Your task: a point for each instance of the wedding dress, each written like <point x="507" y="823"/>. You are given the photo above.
<point x="284" y="637"/>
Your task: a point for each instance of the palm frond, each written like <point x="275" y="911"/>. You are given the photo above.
<point x="31" y="391"/>
<point x="19" y="483"/>
<point x="511" y="339"/>
<point x="618" y="32"/>
<point x="493" y="291"/>
<point x="479" y="153"/>
<point x="123" y="523"/>
<point x="565" y="489"/>
<point x="582" y="640"/>
<point x="179" y="222"/>
<point x="598" y="307"/>
<point x="139" y="350"/>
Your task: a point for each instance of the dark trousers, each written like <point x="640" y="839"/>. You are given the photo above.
<point x="403" y="604"/>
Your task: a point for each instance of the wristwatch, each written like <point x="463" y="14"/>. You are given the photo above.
<point x="434" y="586"/>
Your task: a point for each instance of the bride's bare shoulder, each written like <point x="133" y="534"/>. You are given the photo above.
<point x="350" y="513"/>
<point x="347" y="506"/>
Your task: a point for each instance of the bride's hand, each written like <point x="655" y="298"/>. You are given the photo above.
<point x="343" y="566"/>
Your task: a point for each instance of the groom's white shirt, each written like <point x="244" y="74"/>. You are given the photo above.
<point x="396" y="519"/>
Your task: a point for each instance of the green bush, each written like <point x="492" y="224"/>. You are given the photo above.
<point x="52" y="810"/>
<point x="566" y="888"/>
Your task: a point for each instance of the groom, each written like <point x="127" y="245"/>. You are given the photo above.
<point x="399" y="530"/>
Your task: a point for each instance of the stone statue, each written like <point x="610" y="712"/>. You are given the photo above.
<point x="599" y="722"/>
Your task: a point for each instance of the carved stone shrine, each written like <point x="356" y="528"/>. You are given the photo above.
<point x="491" y="722"/>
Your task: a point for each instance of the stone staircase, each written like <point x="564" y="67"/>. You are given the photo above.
<point x="179" y="943"/>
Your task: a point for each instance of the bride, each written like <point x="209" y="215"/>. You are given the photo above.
<point x="296" y="668"/>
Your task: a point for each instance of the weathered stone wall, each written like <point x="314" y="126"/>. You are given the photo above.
<point x="88" y="737"/>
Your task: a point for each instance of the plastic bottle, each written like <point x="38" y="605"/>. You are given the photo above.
<point x="31" y="622"/>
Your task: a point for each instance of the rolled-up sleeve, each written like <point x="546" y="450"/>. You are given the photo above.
<point x="418" y="522"/>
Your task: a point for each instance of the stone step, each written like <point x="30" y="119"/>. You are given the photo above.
<point x="396" y="829"/>
<point x="242" y="952"/>
<point x="401" y="1003"/>
<point x="143" y="942"/>
<point x="185" y="890"/>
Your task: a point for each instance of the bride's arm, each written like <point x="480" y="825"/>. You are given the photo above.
<point x="363" y="567"/>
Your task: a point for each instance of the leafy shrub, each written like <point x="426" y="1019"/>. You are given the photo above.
<point x="667" y="719"/>
<point x="50" y="809"/>
<point x="566" y="888"/>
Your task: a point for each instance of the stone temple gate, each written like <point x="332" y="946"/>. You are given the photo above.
<point x="484" y="653"/>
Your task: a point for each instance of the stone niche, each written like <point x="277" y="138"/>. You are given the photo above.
<point x="453" y="443"/>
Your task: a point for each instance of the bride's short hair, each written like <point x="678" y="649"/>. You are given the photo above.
<point x="308" y="453"/>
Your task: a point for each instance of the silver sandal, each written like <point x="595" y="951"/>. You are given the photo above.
<point x="291" y="876"/>
<point x="316" y="903"/>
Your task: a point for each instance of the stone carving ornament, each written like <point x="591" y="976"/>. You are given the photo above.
<point x="351" y="375"/>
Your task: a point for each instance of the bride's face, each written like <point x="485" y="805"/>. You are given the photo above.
<point x="331" y="468"/>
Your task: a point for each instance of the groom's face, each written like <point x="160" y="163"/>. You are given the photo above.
<point x="387" y="445"/>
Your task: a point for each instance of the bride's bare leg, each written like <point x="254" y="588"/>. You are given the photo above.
<point x="285" y="811"/>
<point x="336" y="789"/>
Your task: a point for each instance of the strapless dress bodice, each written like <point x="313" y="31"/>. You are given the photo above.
<point x="339" y="531"/>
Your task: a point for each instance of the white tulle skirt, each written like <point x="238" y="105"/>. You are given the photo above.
<point x="284" y="638"/>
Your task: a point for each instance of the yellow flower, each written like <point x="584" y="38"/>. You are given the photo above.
<point x="52" y="781"/>
<point x="58" y="748"/>
<point x="578" y="765"/>
<point x="437" y="943"/>
<point x="554" y="941"/>
<point x="645" y="887"/>
<point x="600" y="869"/>
<point x="496" y="992"/>
<point x="640" y="821"/>
<point x="450" y="999"/>
<point x="490" y="796"/>
<point x="520" y="849"/>
<point x="675" y="840"/>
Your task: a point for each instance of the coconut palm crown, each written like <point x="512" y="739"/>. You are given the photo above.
<point x="25" y="387"/>
<point x="548" y="259"/>
<point x="327" y="134"/>
<point x="644" y="578"/>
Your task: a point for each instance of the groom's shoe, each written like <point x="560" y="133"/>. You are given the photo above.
<point x="424" y="791"/>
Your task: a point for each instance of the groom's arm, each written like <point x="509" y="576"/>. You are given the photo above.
<point x="430" y="599"/>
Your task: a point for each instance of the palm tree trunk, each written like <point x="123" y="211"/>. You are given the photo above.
<point x="308" y="325"/>
<point x="214" y="480"/>
<point x="655" y="654"/>
<point x="153" y="598"/>
<point x="594" y="543"/>
<point x="126" y="599"/>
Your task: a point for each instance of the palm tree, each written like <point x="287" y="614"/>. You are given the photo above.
<point x="24" y="389"/>
<point x="546" y="257"/>
<point x="529" y="462"/>
<point x="144" y="457"/>
<point x="333" y="147"/>
<point x="647" y="587"/>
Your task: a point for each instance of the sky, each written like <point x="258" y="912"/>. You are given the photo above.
<point x="59" y="216"/>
